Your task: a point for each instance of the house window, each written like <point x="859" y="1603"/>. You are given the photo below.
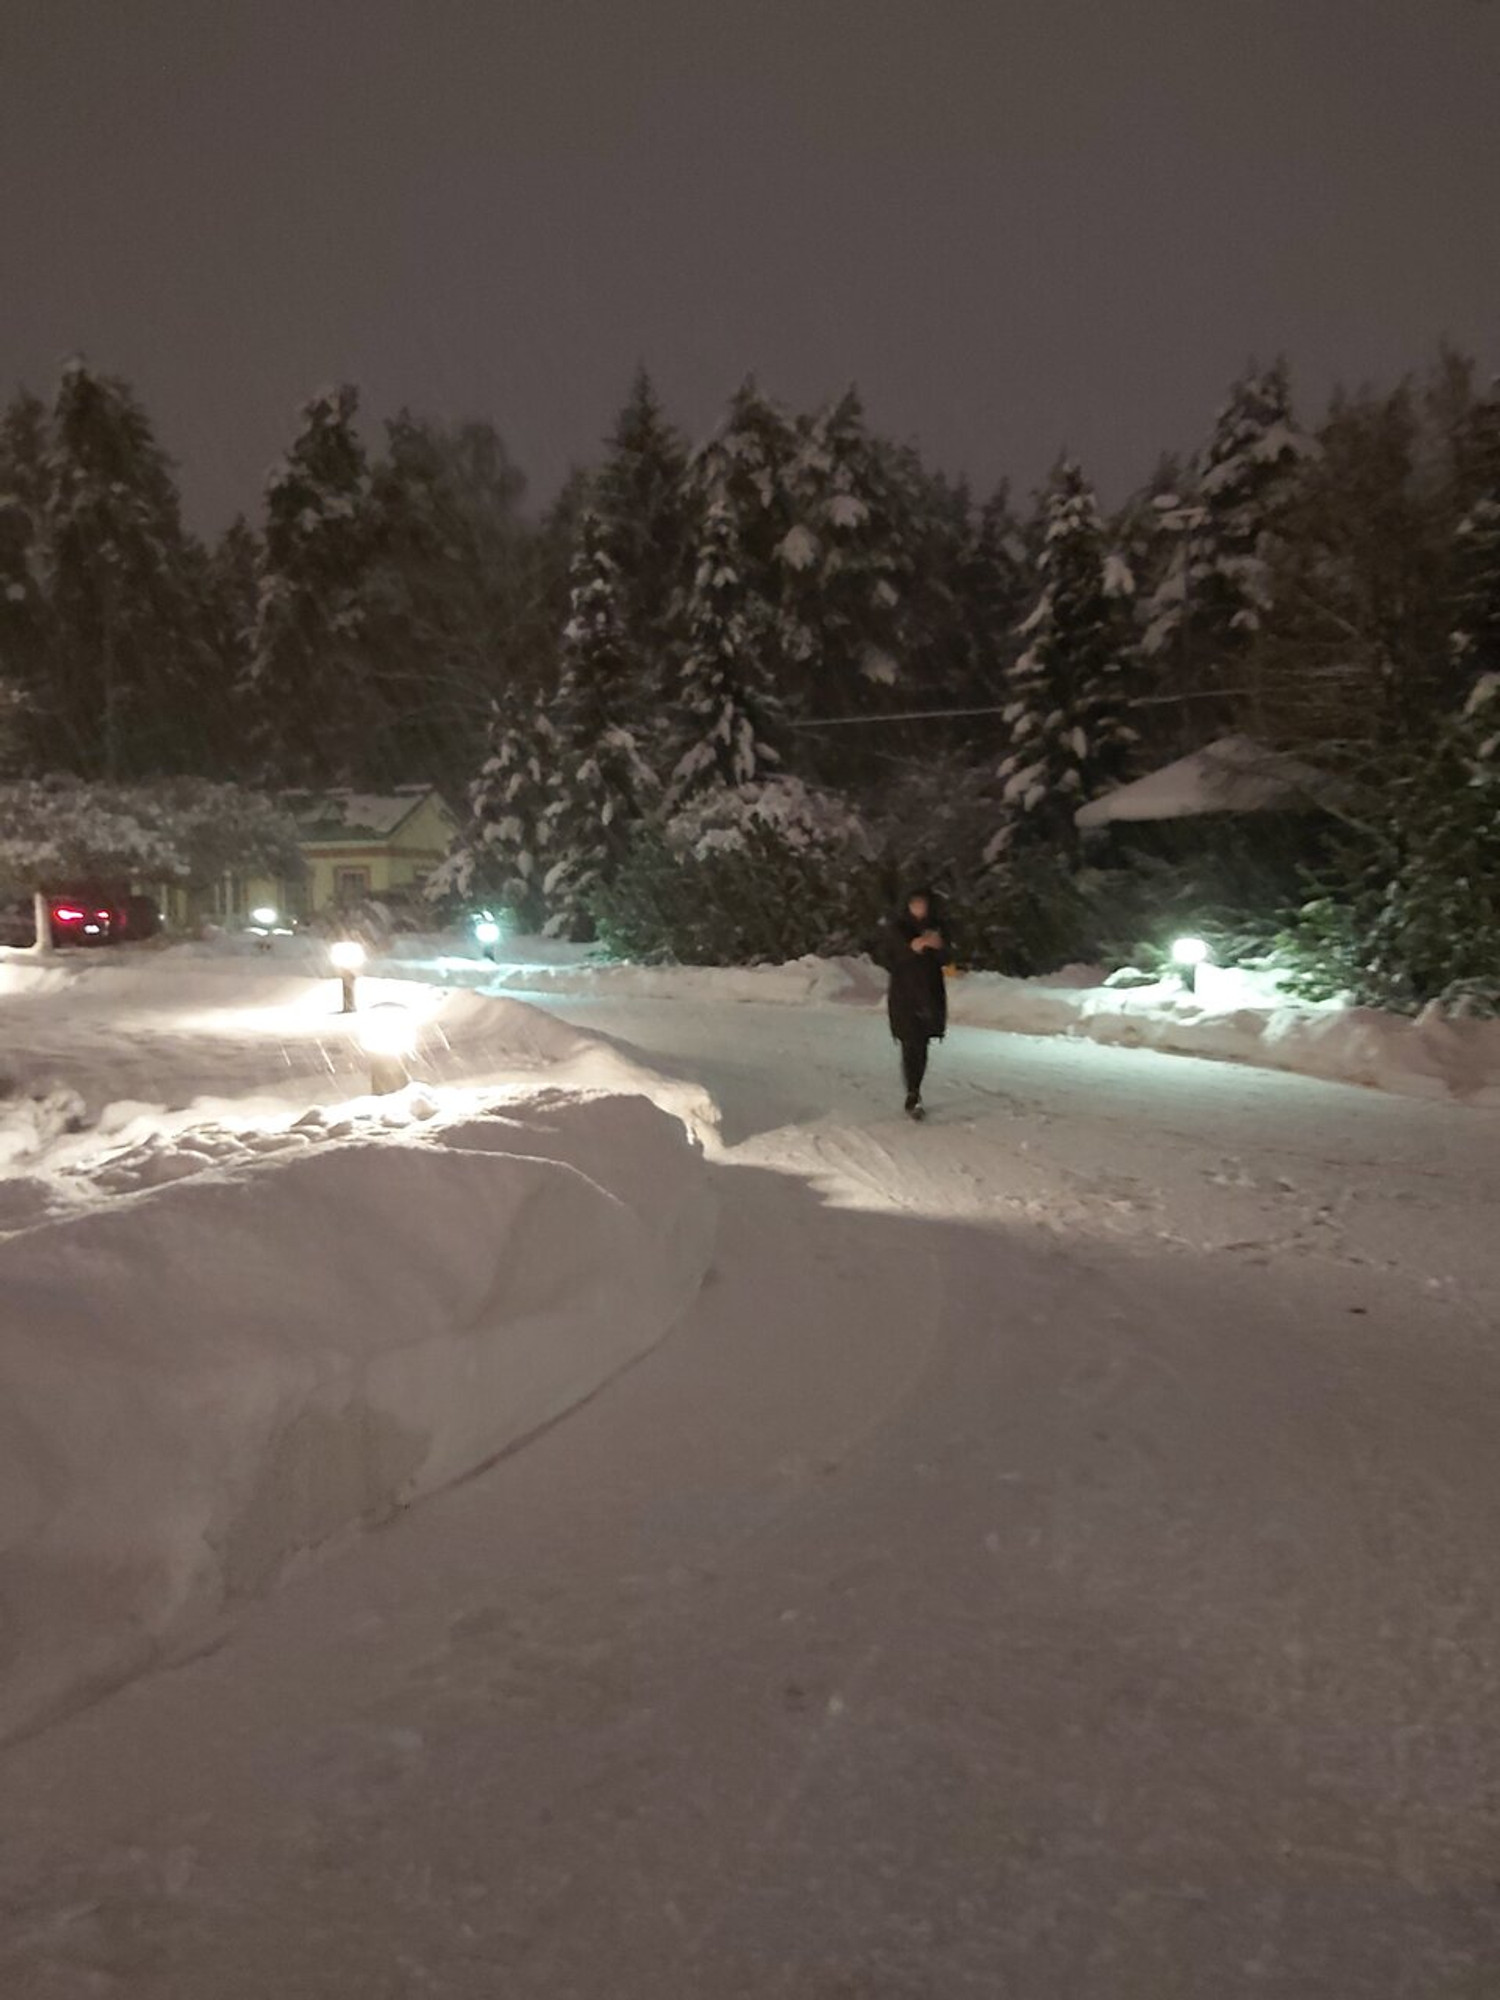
<point x="350" y="885"/>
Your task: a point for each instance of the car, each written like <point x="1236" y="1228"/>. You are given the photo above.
<point x="86" y="915"/>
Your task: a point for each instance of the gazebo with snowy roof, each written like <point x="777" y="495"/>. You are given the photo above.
<point x="1230" y="777"/>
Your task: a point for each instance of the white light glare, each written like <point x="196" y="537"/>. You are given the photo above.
<point x="1189" y="950"/>
<point x="487" y="931"/>
<point x="387" y="1031"/>
<point x="265" y="917"/>
<point x="348" y="955"/>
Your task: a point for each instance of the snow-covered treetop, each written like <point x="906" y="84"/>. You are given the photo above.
<point x="53" y="830"/>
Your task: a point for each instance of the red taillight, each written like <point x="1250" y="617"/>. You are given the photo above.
<point x="102" y="915"/>
<point x="66" y="914"/>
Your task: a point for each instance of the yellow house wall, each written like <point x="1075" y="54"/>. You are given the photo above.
<point x="401" y="863"/>
<point x="429" y="831"/>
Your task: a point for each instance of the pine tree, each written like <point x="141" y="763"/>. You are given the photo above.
<point x="1351" y="660"/>
<point x="1220" y="524"/>
<point x="746" y="467"/>
<point x="24" y="606"/>
<point x="446" y="591"/>
<point x="124" y="693"/>
<point x="1069" y="700"/>
<point x="727" y="707"/>
<point x="851" y="557"/>
<point x="640" y="496"/>
<point x="604" y="780"/>
<point x="1476" y="577"/>
<point x="225" y="585"/>
<point x="319" y="717"/>
<point x="999" y="583"/>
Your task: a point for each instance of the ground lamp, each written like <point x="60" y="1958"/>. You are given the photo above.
<point x="348" y="955"/>
<point x="264" y="921"/>
<point x="1188" y="953"/>
<point x="486" y="935"/>
<point x="387" y="1034"/>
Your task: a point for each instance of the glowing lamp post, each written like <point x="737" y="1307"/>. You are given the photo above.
<point x="347" y="956"/>
<point x="486" y="935"/>
<point x="264" y="922"/>
<point x="387" y="1034"/>
<point x="1188" y="953"/>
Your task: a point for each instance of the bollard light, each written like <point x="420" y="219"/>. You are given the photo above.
<point x="265" y="917"/>
<point x="387" y="1034"/>
<point x="1188" y="953"/>
<point x="486" y="934"/>
<point x="348" y="955"/>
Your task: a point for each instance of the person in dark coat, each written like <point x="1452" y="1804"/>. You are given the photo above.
<point x="914" y="948"/>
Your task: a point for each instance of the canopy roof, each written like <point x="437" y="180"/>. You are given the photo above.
<point x="1234" y="775"/>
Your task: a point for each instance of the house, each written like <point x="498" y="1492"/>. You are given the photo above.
<point x="356" y="847"/>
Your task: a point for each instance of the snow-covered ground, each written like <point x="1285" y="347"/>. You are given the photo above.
<point x="1054" y="1554"/>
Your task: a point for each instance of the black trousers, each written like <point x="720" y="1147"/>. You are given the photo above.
<point x="914" y="1060"/>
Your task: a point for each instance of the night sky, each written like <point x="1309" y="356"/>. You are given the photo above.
<point x="1017" y="224"/>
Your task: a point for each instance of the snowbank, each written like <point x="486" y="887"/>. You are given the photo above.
<point x="200" y="1384"/>
<point x="1231" y="1021"/>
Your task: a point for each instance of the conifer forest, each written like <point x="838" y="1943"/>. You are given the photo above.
<point x="718" y="700"/>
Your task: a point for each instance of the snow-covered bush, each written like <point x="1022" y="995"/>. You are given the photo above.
<point x="760" y="875"/>
<point x="799" y="816"/>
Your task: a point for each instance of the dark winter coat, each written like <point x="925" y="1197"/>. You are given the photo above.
<point x="917" y="1001"/>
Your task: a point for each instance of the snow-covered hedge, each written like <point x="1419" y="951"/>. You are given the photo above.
<point x="200" y="1387"/>
<point x="766" y="873"/>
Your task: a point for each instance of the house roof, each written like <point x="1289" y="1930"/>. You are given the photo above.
<point x="340" y="817"/>
<point x="1233" y="775"/>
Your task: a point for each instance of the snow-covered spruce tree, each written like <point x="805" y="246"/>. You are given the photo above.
<point x="24" y="650"/>
<point x="849" y="557"/>
<point x="1069" y="700"/>
<point x="1476" y="575"/>
<point x="1351" y="662"/>
<point x="604" y="782"/>
<point x="446" y="592"/>
<point x="745" y="467"/>
<point x="998" y="584"/>
<point x="1411" y="911"/>
<point x="233" y="589"/>
<point x="1220" y="526"/>
<point x="128" y="658"/>
<point x="726" y="709"/>
<point x="500" y="856"/>
<point x="317" y="716"/>
<point x="645" y="513"/>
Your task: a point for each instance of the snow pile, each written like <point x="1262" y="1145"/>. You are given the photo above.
<point x="202" y="1383"/>
<point x="1234" y="1019"/>
<point x="31" y="1121"/>
<point x="802" y="982"/>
